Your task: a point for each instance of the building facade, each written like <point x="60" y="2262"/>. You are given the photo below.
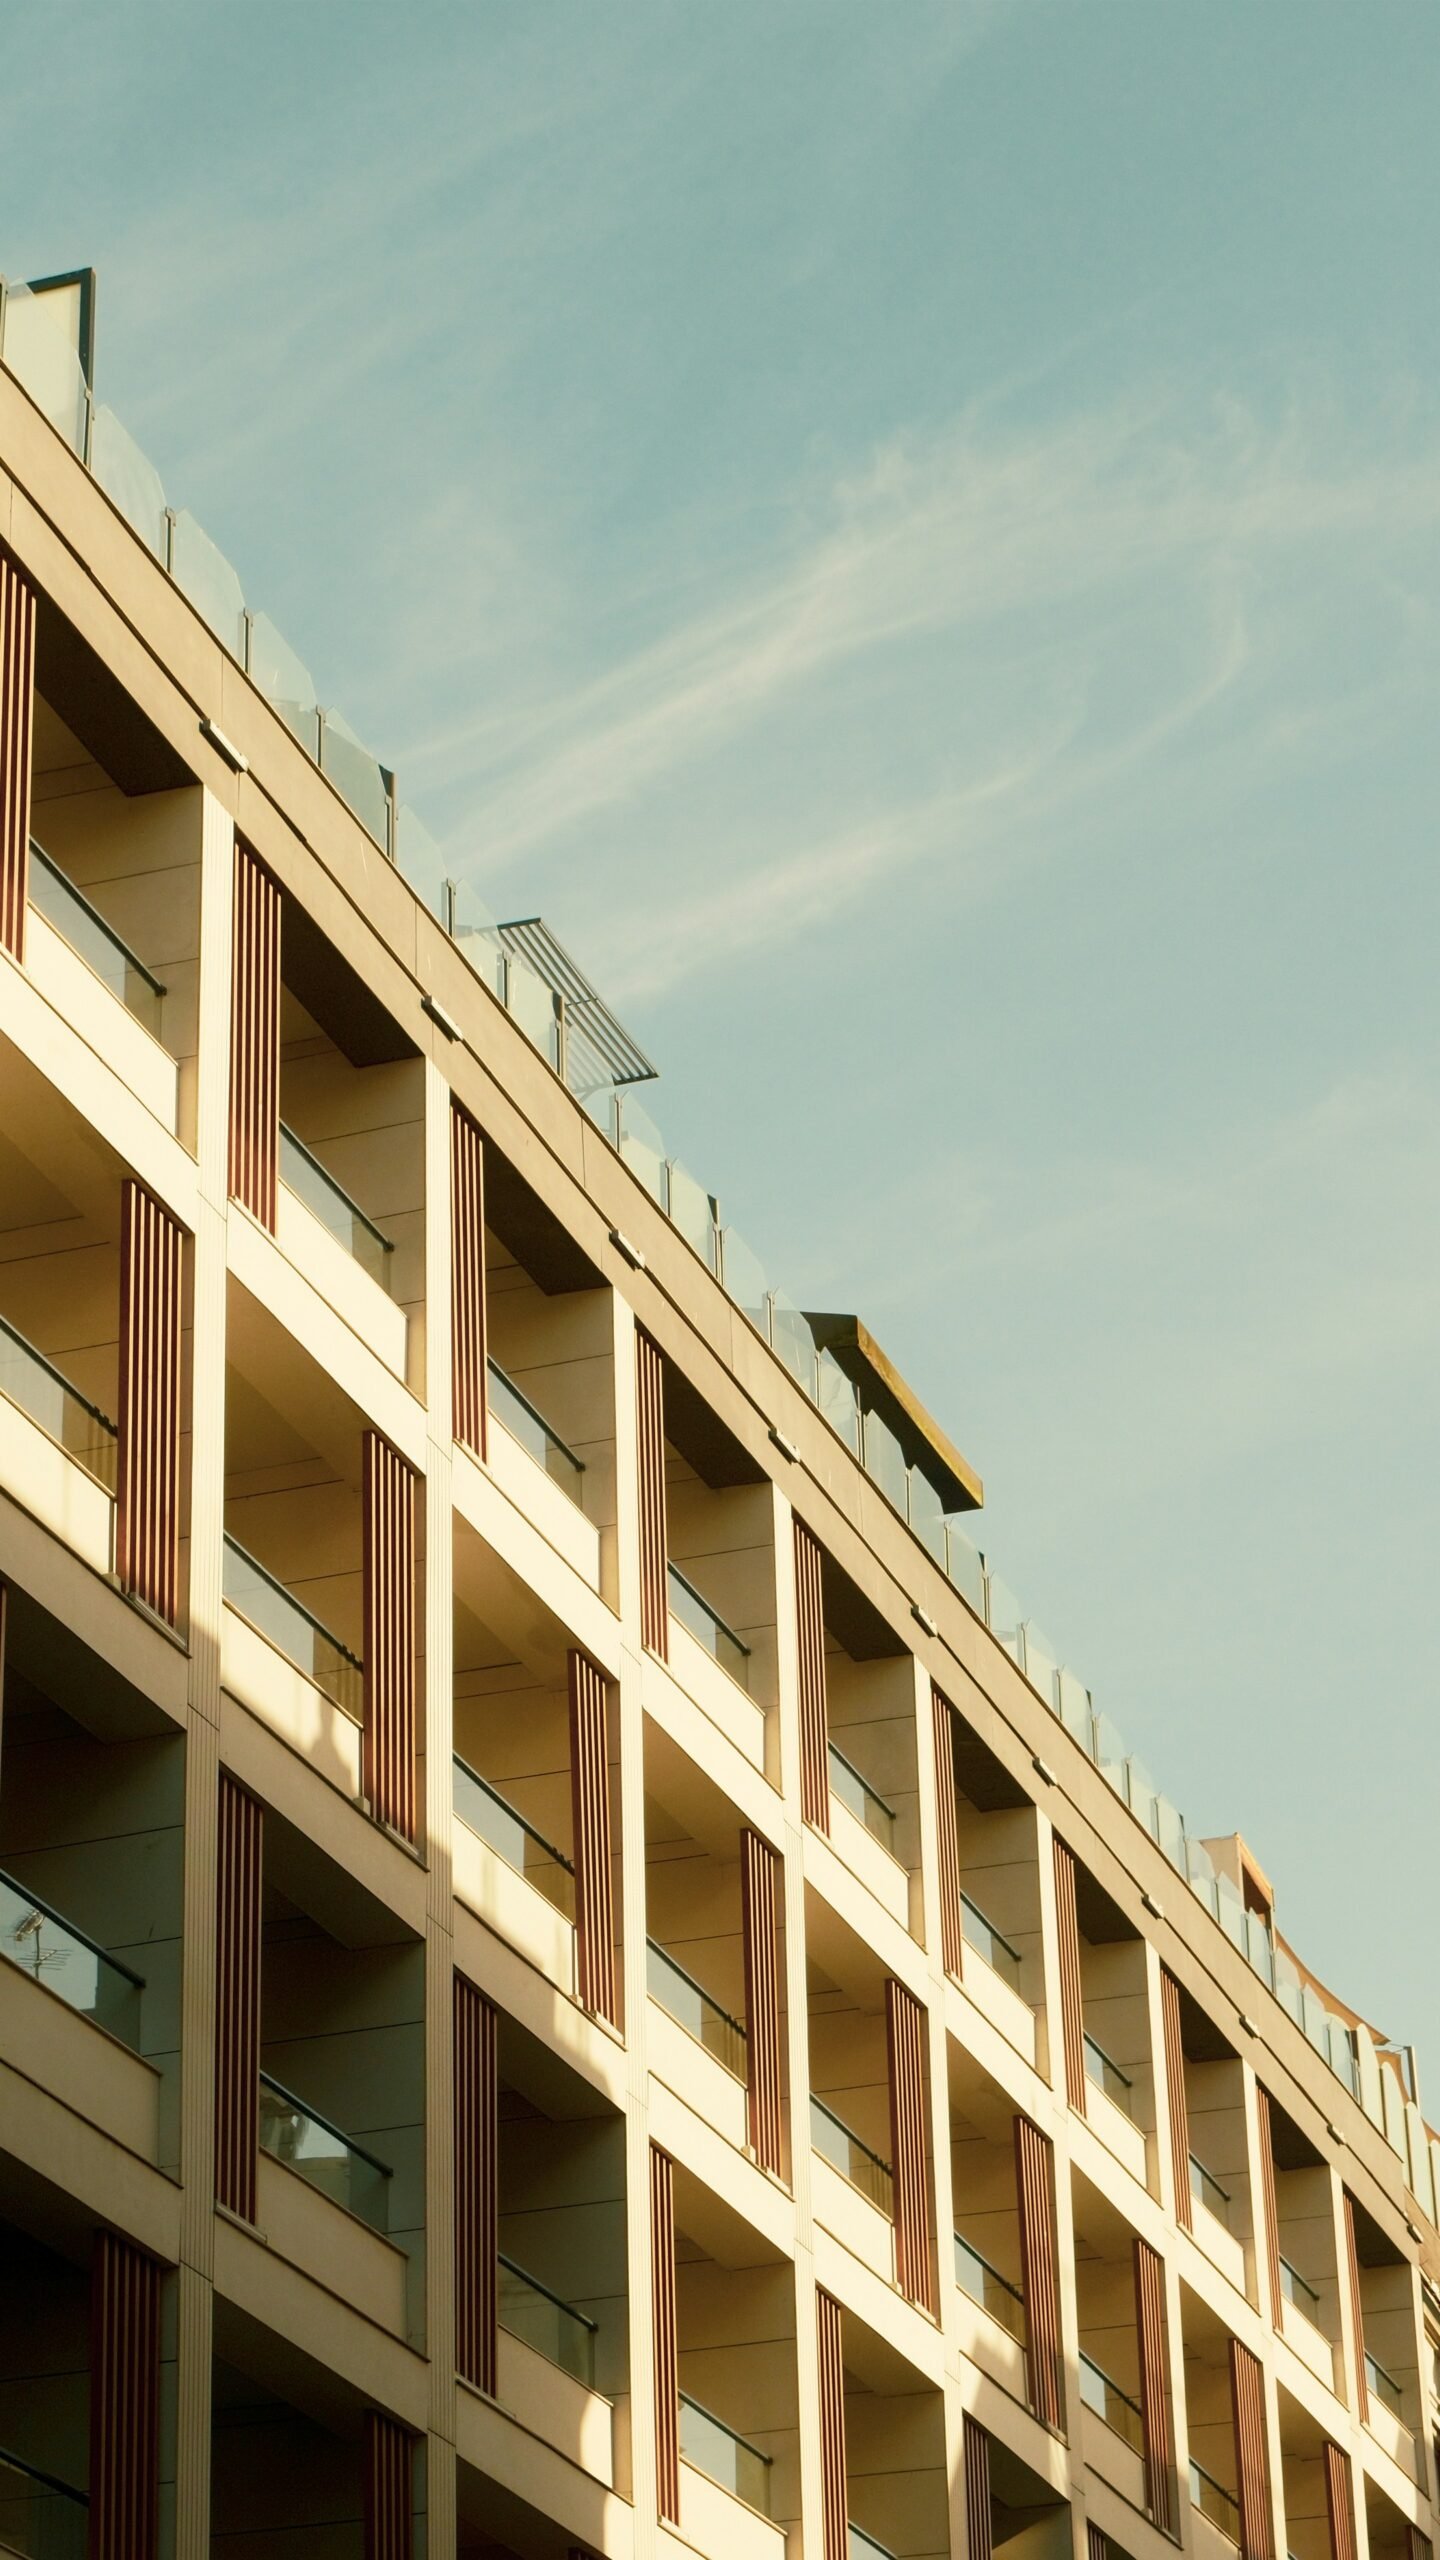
<point x="577" y="1977"/>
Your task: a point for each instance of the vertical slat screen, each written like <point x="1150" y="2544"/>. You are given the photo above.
<point x="1340" y="2503"/>
<point x="389" y="2488"/>
<point x="654" y="1552"/>
<point x="1421" y="2547"/>
<point x="1096" y="2546"/>
<point x="810" y="1644"/>
<point x="147" y="1527"/>
<point x="124" y="2401"/>
<point x="759" y="1898"/>
<point x="834" y="2487"/>
<point x="1040" y="2283"/>
<point x="1072" y="2001"/>
<point x="905" y="2048"/>
<point x="388" y="1502"/>
<point x="255" y="1039"/>
<point x="1154" y="2397"/>
<point x="952" y="1934"/>
<point x="468" y="1398"/>
<point x="477" y="2187"/>
<point x="1177" y="2109"/>
<point x="237" y="1999"/>
<point x="1269" y="2202"/>
<point x="977" y="2489"/>
<point x="590" y="1815"/>
<point x="1357" y="2313"/>
<point x="665" y="2344"/>
<point x="17" y="715"/>
<point x="1252" y="2461"/>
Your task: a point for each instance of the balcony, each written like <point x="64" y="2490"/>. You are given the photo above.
<point x="81" y="1974"/>
<point x="863" y="2546"/>
<point x="1383" y="2386"/>
<point x="986" y="1939"/>
<point x="541" y="2320"/>
<point x="274" y="1613"/>
<point x="1300" y="2324"/>
<point x="343" y="2170"/>
<point x="683" y="1999"/>
<point x="1120" y="2413"/>
<point x="1215" y="2503"/>
<point x="995" y="2293"/>
<point x="861" y="1799"/>
<point x="1107" y="2076"/>
<point x="41" y="2518"/>
<point x="526" y="1888"/>
<point x="1114" y="2122"/>
<point x="525" y="1423"/>
<point x="708" y="1628"/>
<point x="857" y="2163"/>
<point x="512" y="1838"/>
<point x="328" y="1200"/>
<point x="709" y="2446"/>
<point x="78" y="1506"/>
<point x="82" y="926"/>
<point x="1211" y="2205"/>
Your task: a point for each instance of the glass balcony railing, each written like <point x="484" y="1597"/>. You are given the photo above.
<point x="513" y="1838"/>
<point x="985" y="1938"/>
<point x="41" y="2518"/>
<point x="683" y="1999"/>
<point x="58" y="1954"/>
<point x="1120" y="2413"/>
<point x="1208" y="2191"/>
<point x="853" y="2158"/>
<point x="556" y="2331"/>
<point x="284" y="1622"/>
<point x="862" y="1799"/>
<point x="1214" y="2502"/>
<point x="527" y="1425"/>
<point x="97" y="943"/>
<point x="1303" y="2296"/>
<point x="710" y="2446"/>
<point x="863" y="2546"/>
<point x="708" y="1627"/>
<point x="985" y="2284"/>
<point x="329" y="1201"/>
<point x="69" y="1419"/>
<point x="1107" y="2076"/>
<point x="1384" y="2386"/>
<point x="317" y="2150"/>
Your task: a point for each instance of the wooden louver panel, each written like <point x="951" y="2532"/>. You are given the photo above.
<point x="1176" y="2107"/>
<point x="17" y="713"/>
<point x="810" y="1644"/>
<point x="1252" y="2461"/>
<point x="389" y="2488"/>
<point x="237" y="1999"/>
<point x="147" y="1526"/>
<point x="388" y="1501"/>
<point x="834" y="2490"/>
<point x="1156" y="2429"/>
<point x="1035" y="2196"/>
<point x="590" y="1812"/>
<point x="1269" y="2203"/>
<point x="255" y="1039"/>
<point x="124" y="2401"/>
<point x="1340" y="2504"/>
<point x="952" y="1934"/>
<point x="654" y="1550"/>
<point x="905" y="2047"/>
<point x="1072" y="2000"/>
<point x="759" y="1895"/>
<point x="477" y="2187"/>
<point x="1421" y="2547"/>
<point x="468" y="1398"/>
<point x="1096" y="2546"/>
<point x="977" y="2489"/>
<point x="1357" y="2312"/>
<point x="664" y="2336"/>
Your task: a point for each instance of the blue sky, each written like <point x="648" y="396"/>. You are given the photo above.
<point x="912" y="533"/>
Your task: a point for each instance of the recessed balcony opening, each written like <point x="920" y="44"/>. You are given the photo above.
<point x="997" y="1830"/>
<point x="1390" y="2341"/>
<point x="695" y="1955"/>
<point x="739" y="2407"/>
<point x="720" y="1538"/>
<point x="287" y="2448"/>
<point x="897" y="2497"/>
<point x="563" y="2281"/>
<point x="1210" y="2424"/>
<point x="870" y="1719"/>
<point x="853" y="2113"/>
<point x="1110" y="2348"/>
<point x="515" y="1673"/>
<point x="1303" y="2491"/>
<point x="342" y="2071"/>
<point x="1388" y="2530"/>
<point x="987" y="2264"/>
<point x="352" y="1135"/>
<point x="1119" y="2066"/>
<point x="1027" y="2515"/>
<point x="115" y="905"/>
<point x="44" y="2393"/>
<point x="1309" y="2312"/>
<point x="92" y="1791"/>
<point x="1222" y="2208"/>
<point x="550" y="1327"/>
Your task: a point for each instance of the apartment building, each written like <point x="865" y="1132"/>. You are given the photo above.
<point x="578" y="1976"/>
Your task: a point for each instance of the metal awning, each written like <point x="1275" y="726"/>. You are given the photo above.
<point x="532" y="938"/>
